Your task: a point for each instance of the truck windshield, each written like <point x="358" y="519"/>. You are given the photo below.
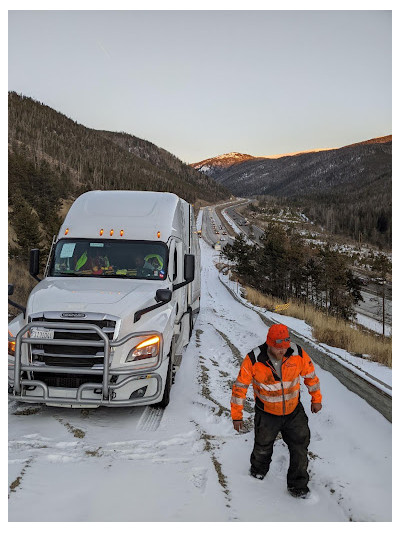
<point x="110" y="258"/>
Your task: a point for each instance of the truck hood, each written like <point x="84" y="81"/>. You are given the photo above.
<point x="114" y="296"/>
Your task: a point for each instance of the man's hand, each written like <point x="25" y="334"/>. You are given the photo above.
<point x="238" y="425"/>
<point x="315" y="407"/>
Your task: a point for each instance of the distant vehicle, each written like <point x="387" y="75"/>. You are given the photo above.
<point x="107" y="324"/>
<point x="223" y="239"/>
<point x="217" y="246"/>
<point x="224" y="233"/>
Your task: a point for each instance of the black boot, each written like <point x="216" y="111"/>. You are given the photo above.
<point x="298" y="493"/>
<point x="257" y="475"/>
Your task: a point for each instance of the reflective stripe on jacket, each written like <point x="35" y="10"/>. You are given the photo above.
<point x="275" y="395"/>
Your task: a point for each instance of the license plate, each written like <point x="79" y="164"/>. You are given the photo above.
<point x="37" y="333"/>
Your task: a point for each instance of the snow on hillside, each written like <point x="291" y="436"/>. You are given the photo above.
<point x="220" y="162"/>
<point x="187" y="463"/>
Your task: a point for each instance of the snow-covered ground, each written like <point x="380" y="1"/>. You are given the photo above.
<point x="373" y="325"/>
<point x="187" y="463"/>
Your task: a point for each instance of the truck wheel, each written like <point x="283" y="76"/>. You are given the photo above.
<point x="168" y="384"/>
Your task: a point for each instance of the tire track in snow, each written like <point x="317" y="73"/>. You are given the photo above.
<point x="211" y="444"/>
<point x="151" y="418"/>
<point x="50" y="451"/>
<point x="235" y="351"/>
<point x="16" y="484"/>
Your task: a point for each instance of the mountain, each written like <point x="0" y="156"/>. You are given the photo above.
<point x="348" y="188"/>
<point x="308" y="171"/>
<point x="53" y="159"/>
<point x="215" y="166"/>
<point x="100" y="159"/>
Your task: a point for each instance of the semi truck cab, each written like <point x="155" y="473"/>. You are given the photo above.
<point x="121" y="290"/>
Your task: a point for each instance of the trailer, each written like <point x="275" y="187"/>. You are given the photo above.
<point x="108" y="322"/>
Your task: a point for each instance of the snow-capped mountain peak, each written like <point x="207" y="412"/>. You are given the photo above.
<point x="216" y="164"/>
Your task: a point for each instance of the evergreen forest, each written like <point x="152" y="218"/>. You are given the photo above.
<point x="283" y="266"/>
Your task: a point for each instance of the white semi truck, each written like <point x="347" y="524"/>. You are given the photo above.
<point x="121" y="290"/>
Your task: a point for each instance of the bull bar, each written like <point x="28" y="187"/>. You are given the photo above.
<point x="18" y="384"/>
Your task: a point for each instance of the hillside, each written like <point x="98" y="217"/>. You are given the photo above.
<point x="53" y="158"/>
<point x="346" y="189"/>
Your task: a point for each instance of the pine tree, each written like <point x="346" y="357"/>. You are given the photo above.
<point x="26" y="225"/>
<point x="381" y="266"/>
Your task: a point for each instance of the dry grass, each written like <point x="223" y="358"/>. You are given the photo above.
<point x="18" y="274"/>
<point x="65" y="207"/>
<point x="329" y="330"/>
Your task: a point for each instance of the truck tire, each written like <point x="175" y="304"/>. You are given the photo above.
<point x="168" y="384"/>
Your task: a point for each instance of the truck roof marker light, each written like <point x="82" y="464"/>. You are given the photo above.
<point x="66" y="231"/>
<point x="148" y="342"/>
<point x="158" y="234"/>
<point x="111" y="232"/>
<point x="101" y="232"/>
<point x="121" y="232"/>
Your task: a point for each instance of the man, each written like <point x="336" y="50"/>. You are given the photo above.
<point x="94" y="261"/>
<point x="155" y="261"/>
<point x="274" y="369"/>
<point x="143" y="267"/>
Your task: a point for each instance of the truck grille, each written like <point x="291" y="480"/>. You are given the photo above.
<point x="72" y="356"/>
<point x="66" y="381"/>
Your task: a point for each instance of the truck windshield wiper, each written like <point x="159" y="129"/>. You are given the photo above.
<point x="62" y="274"/>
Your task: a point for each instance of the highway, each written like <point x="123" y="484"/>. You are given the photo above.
<point x="370" y="309"/>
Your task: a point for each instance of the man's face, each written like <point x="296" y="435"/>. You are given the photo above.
<point x="278" y="353"/>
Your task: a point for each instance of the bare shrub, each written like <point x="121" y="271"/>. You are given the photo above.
<point x="18" y="275"/>
<point x="329" y="330"/>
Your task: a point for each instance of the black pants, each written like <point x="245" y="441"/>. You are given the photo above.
<point x="295" y="432"/>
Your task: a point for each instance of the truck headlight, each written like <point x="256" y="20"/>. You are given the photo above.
<point x="11" y="344"/>
<point x="146" y="349"/>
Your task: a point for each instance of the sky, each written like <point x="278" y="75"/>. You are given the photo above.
<point x="203" y="83"/>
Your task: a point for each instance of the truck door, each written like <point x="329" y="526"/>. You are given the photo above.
<point x="181" y="293"/>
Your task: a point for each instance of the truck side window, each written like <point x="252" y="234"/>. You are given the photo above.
<point x="175" y="265"/>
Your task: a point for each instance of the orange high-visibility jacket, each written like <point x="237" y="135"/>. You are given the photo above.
<point x="275" y="395"/>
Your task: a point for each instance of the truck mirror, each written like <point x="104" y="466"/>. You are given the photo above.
<point x="34" y="262"/>
<point x="10" y="289"/>
<point x="189" y="267"/>
<point x="163" y="295"/>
